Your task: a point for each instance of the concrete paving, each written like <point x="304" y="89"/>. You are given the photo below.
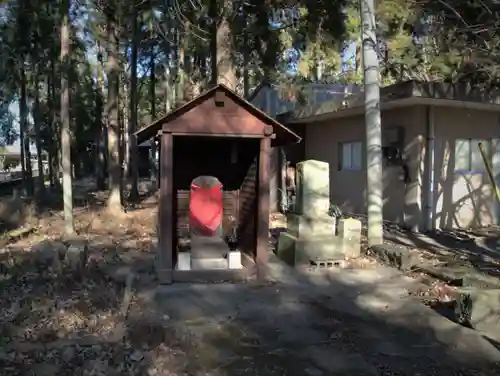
<point x="342" y="322"/>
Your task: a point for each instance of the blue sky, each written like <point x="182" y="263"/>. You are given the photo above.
<point x="16" y="146"/>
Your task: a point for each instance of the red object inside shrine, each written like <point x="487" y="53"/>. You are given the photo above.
<point x="205" y="209"/>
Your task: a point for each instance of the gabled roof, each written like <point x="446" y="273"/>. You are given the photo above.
<point x="282" y="133"/>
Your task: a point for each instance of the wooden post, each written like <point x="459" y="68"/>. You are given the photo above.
<point x="165" y="210"/>
<point x="261" y="257"/>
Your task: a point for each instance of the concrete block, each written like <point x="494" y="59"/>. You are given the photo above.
<point x="397" y="257"/>
<point x="286" y="248"/>
<point x="184" y="261"/>
<point x="234" y="260"/>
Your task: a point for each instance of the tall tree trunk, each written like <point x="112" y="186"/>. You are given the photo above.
<point x="55" y="130"/>
<point x="124" y="121"/>
<point x="226" y="73"/>
<point x="134" y="191"/>
<point x="374" y="187"/>
<point x="101" y="142"/>
<point x="38" y="142"/>
<point x="113" y="127"/>
<point x="179" y="70"/>
<point x="152" y="94"/>
<point x="65" y="122"/>
<point x="169" y="94"/>
<point x="24" y="139"/>
<point x="246" y="55"/>
<point x="246" y="60"/>
<point x="22" y="126"/>
<point x="212" y="13"/>
<point x="50" y="146"/>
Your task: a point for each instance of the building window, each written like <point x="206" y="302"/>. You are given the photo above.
<point x="468" y="156"/>
<point x="350" y="156"/>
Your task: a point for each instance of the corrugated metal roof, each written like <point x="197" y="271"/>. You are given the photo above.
<point x="314" y="95"/>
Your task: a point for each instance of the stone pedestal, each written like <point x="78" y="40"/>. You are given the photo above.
<point x="315" y="238"/>
<point x="311" y="231"/>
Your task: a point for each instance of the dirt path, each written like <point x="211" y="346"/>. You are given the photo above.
<point x="345" y="323"/>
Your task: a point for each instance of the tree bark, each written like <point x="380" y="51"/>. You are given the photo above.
<point x="113" y="127"/>
<point x="38" y="142"/>
<point x="374" y="191"/>
<point x="55" y="129"/>
<point x="23" y="115"/>
<point x="100" y="142"/>
<point x="133" y="154"/>
<point x="152" y="94"/>
<point x="65" y="123"/>
<point x="226" y="73"/>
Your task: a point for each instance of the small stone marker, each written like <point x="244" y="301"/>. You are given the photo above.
<point x="77" y="253"/>
<point x="349" y="230"/>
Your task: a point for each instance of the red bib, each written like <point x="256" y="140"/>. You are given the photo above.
<point x="205" y="209"/>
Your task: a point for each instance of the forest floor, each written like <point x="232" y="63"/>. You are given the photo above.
<point x="56" y="319"/>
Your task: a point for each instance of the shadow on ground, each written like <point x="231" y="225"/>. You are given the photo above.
<point x="479" y="249"/>
<point x="56" y="320"/>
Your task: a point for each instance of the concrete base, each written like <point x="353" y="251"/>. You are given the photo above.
<point x="309" y="239"/>
<point x="209" y="263"/>
<point x="184" y="261"/>
<point x="234" y="260"/>
<point x="318" y="247"/>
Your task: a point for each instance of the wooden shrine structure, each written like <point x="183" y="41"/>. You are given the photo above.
<point x="222" y="135"/>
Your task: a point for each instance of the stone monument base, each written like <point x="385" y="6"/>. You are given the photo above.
<point x="314" y="240"/>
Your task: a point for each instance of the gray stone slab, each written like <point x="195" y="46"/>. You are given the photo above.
<point x="395" y="256"/>
<point x="480" y="308"/>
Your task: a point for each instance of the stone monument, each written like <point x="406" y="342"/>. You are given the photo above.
<point x="311" y="235"/>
